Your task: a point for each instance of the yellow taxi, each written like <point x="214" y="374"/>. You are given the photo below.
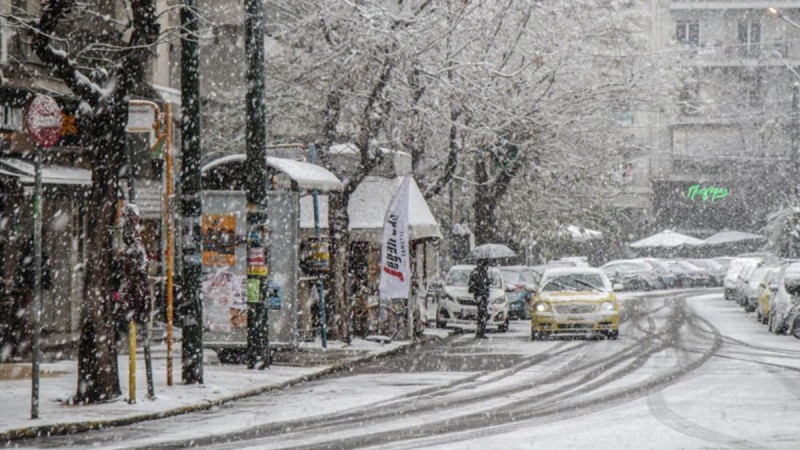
<point x="577" y="301"/>
<point x="767" y="288"/>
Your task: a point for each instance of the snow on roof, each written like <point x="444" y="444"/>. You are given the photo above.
<point x="667" y="239"/>
<point x="568" y="270"/>
<point x="51" y="173"/>
<point x="728" y="236"/>
<point x="581" y="234"/>
<point x="367" y="209"/>
<point x="369" y="202"/>
<point x="305" y="174"/>
<point x="351" y="149"/>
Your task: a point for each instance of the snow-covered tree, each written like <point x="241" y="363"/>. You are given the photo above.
<point x="102" y="58"/>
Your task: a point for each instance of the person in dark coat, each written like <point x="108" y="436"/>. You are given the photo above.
<point x="479" y="285"/>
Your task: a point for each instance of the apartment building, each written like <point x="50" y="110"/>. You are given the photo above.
<point x="720" y="148"/>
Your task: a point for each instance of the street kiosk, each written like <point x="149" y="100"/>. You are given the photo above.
<point x="224" y="231"/>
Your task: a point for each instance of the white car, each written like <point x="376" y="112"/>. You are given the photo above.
<point x="732" y="276"/>
<point x="457" y="306"/>
<point x="784" y="306"/>
<point x="746" y="271"/>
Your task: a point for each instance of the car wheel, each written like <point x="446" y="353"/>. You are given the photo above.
<point x="612" y="335"/>
<point x="539" y="336"/>
<point x="504" y="327"/>
<point x="439" y="323"/>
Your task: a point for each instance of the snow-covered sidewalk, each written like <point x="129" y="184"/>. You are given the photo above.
<point x="223" y="383"/>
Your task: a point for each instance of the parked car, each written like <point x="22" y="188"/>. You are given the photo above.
<point x="574" y="300"/>
<point x="576" y="261"/>
<point x="744" y="277"/>
<point x="724" y="261"/>
<point x="769" y="288"/>
<point x="715" y="270"/>
<point x="732" y="276"/>
<point x="688" y="275"/>
<point x="784" y="307"/>
<point x="666" y="278"/>
<point x="632" y="274"/>
<point x="518" y="280"/>
<point x="754" y="286"/>
<point x="457" y="306"/>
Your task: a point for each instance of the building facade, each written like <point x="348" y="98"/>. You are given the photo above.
<point x="65" y="172"/>
<point x="720" y="148"/>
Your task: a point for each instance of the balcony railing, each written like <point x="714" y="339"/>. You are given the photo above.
<point x="734" y="52"/>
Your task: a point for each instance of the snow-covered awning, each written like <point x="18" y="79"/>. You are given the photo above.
<point x="367" y="209"/>
<point x="305" y="174"/>
<point x="51" y="173"/>
<point x="730" y="236"/>
<point x="667" y="239"/>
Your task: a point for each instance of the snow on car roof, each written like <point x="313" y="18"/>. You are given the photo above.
<point x="469" y="267"/>
<point x="570" y="270"/>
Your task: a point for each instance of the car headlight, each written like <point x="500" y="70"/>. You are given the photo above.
<point x="447" y="297"/>
<point x="607" y="306"/>
<point x="542" y="307"/>
<point x="499" y="301"/>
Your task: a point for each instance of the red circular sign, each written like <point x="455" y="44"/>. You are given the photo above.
<point x="43" y="120"/>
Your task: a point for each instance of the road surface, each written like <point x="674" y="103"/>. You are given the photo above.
<point x="690" y="370"/>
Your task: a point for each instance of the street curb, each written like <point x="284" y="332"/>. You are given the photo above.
<point x="80" y="427"/>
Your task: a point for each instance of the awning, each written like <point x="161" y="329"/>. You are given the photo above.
<point x="51" y="173"/>
<point x="367" y="209"/>
<point x="305" y="174"/>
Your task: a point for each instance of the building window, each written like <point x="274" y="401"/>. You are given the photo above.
<point x="749" y="38"/>
<point x="688" y="32"/>
<point x="689" y="99"/>
<point x="753" y="86"/>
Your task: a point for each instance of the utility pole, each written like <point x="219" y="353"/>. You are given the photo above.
<point x="794" y="245"/>
<point x="257" y="307"/>
<point x="191" y="300"/>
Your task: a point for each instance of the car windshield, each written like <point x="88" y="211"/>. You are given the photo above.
<point x="460" y="277"/>
<point x="520" y="276"/>
<point x="574" y="282"/>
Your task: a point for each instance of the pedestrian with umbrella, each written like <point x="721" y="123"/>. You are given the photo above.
<point x="480" y="283"/>
<point x="479" y="287"/>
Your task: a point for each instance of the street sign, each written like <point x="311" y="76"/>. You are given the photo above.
<point x="43" y="120"/>
<point x="141" y="119"/>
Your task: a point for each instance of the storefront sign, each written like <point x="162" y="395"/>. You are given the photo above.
<point x="706" y="194"/>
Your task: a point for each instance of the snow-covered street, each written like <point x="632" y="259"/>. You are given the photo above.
<point x="690" y="370"/>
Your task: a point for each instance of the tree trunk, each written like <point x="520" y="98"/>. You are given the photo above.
<point x="339" y="222"/>
<point x="98" y="373"/>
<point x="483" y="205"/>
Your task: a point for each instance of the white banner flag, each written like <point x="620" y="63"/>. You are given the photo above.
<point x="395" y="275"/>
